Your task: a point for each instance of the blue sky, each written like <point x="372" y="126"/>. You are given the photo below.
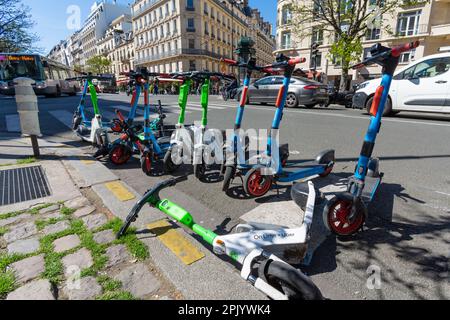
<point x="51" y="16"/>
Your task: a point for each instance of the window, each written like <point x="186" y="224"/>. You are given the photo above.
<point x="317" y="36"/>
<point x="373" y="34"/>
<point x="286" y="16"/>
<point x="432" y="68"/>
<point x="407" y="56"/>
<point x="192" y="66"/>
<point x="286" y="40"/>
<point x="206" y="28"/>
<point x="191" y="43"/>
<point x="408" y="23"/>
<point x="190" y="5"/>
<point x="191" y="25"/>
<point x="205" y="8"/>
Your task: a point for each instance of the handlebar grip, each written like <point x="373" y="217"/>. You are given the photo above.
<point x="230" y="62"/>
<point x="397" y="51"/>
<point x="295" y="61"/>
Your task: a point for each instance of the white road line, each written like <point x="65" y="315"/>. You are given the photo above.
<point x="63" y="116"/>
<point x="12" y="123"/>
<point x="209" y="106"/>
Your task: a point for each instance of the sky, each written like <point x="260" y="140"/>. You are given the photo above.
<point x="51" y="17"/>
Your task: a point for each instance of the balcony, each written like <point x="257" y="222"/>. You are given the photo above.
<point x="159" y="56"/>
<point x="190" y="8"/>
<point x="190" y="29"/>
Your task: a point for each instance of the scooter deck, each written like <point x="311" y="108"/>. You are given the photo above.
<point x="370" y="188"/>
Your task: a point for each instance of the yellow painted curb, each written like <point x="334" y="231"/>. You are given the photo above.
<point x="120" y="191"/>
<point x="176" y="242"/>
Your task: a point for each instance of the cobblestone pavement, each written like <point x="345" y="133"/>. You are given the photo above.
<point x="68" y="251"/>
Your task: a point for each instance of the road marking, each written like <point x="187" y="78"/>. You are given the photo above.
<point x="87" y="162"/>
<point x="13" y="123"/>
<point x="176" y="242"/>
<point x="120" y="191"/>
<point x="63" y="116"/>
<point x="364" y="118"/>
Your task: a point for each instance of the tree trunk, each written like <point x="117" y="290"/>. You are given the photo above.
<point x="345" y="83"/>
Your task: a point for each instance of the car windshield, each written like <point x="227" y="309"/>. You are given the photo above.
<point x="15" y="66"/>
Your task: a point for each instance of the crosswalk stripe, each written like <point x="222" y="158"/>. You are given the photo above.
<point x="12" y="123"/>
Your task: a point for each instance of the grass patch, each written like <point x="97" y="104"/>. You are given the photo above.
<point x="109" y="284"/>
<point x="7" y="259"/>
<point x="26" y="161"/>
<point x="41" y="224"/>
<point x="20" y="162"/>
<point x="136" y="247"/>
<point x="97" y="251"/>
<point x="33" y="211"/>
<point x="116" y="295"/>
<point x="7" y="283"/>
<point x="3" y="230"/>
<point x="67" y="211"/>
<point x="53" y="261"/>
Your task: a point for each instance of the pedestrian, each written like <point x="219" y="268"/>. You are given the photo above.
<point x="156" y="87"/>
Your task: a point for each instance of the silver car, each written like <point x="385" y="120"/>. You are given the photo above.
<point x="302" y="91"/>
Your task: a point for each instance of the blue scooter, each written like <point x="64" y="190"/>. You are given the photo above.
<point x="258" y="179"/>
<point x="345" y="213"/>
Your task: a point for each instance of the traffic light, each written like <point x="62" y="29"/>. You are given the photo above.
<point x="314" y="54"/>
<point x="245" y="48"/>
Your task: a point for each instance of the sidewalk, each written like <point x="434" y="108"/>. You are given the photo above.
<point x="46" y="244"/>
<point x="63" y="246"/>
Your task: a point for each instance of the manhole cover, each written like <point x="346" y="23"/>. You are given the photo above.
<point x="23" y="184"/>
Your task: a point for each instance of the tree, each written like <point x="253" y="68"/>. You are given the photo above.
<point x="98" y="64"/>
<point x="348" y="20"/>
<point x="15" y="25"/>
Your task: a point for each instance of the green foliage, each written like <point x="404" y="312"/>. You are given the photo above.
<point x="67" y="211"/>
<point x="33" y="211"/>
<point x="137" y="248"/>
<point x="347" y="49"/>
<point x="116" y="295"/>
<point x="3" y="230"/>
<point x="7" y="283"/>
<point x="98" y="64"/>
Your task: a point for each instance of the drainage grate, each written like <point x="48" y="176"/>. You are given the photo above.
<point x="23" y="184"/>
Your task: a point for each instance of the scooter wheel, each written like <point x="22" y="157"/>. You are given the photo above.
<point x="289" y="280"/>
<point x="327" y="172"/>
<point x="337" y="215"/>
<point x="199" y="171"/>
<point x="256" y="184"/>
<point x="120" y="154"/>
<point x="230" y="172"/>
<point x="146" y="162"/>
<point x="169" y="165"/>
<point x="76" y="121"/>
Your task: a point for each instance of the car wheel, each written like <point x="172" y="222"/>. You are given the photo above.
<point x="291" y="100"/>
<point x="387" y="109"/>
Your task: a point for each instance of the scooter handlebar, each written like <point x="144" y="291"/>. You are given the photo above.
<point x="397" y="51"/>
<point x="295" y="61"/>
<point x="230" y="62"/>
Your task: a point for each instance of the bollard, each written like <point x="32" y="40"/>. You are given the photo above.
<point x="27" y="107"/>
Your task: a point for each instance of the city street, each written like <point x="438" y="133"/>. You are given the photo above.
<point x="407" y="235"/>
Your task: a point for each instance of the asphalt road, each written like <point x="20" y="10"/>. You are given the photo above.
<point x="407" y="236"/>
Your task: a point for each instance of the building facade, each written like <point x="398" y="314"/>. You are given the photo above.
<point x="183" y="35"/>
<point x="102" y="14"/>
<point x="117" y="46"/>
<point x="427" y="21"/>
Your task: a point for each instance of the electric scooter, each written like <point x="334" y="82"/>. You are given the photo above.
<point x="196" y="132"/>
<point x="271" y="168"/>
<point x="263" y="269"/>
<point x="84" y="128"/>
<point x="345" y="213"/>
<point x="149" y="146"/>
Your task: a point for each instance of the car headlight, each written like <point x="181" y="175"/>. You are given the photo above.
<point x="40" y="85"/>
<point x="3" y="85"/>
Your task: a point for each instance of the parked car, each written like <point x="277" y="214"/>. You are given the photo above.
<point x="302" y="91"/>
<point x="343" y="98"/>
<point x="422" y="86"/>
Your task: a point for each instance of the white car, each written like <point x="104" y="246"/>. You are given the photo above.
<point x="422" y="86"/>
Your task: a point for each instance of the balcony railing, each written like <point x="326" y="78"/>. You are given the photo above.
<point x="176" y="52"/>
<point x="145" y="7"/>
